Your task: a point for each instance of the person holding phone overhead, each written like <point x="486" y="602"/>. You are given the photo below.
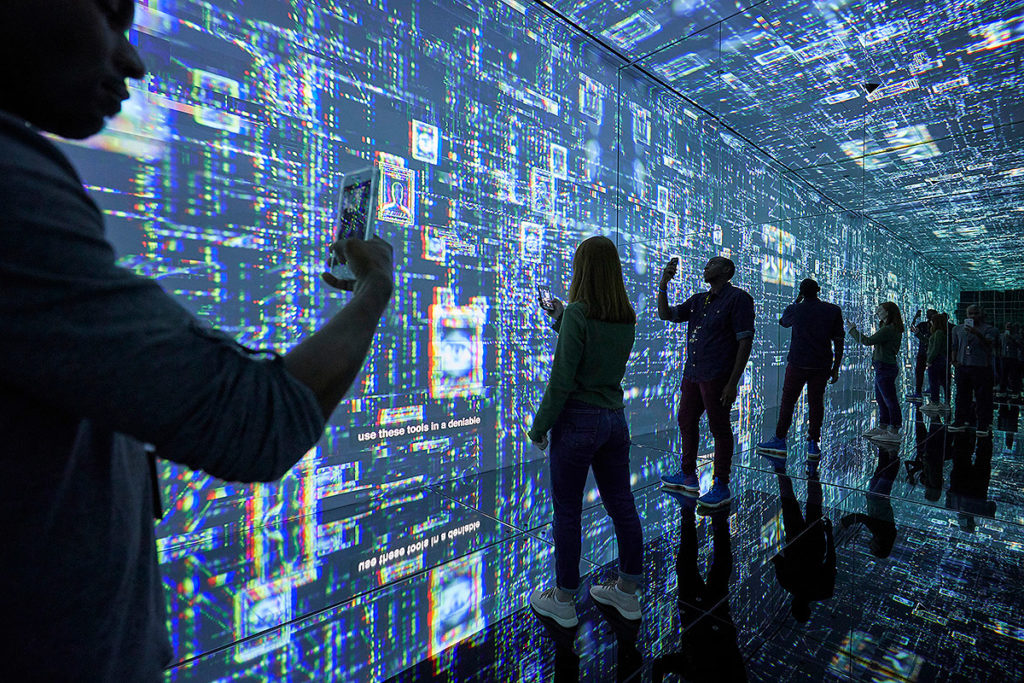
<point x="886" y="345"/>
<point x="583" y="410"/>
<point x="720" y="334"/>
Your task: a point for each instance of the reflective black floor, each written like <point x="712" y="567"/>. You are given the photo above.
<point x="887" y="564"/>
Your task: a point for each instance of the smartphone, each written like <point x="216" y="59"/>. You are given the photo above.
<point x="969" y="322"/>
<point x="546" y="300"/>
<point x="353" y="219"/>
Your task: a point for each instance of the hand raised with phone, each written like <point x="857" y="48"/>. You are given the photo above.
<point x="371" y="261"/>
<point x="669" y="271"/>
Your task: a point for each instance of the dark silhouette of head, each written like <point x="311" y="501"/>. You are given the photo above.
<point x="801" y="610"/>
<point x="64" y="63"/>
<point x="809" y="288"/>
<point x="719" y="268"/>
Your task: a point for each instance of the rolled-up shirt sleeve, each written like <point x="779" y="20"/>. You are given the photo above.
<point x="742" y="316"/>
<point x="98" y="342"/>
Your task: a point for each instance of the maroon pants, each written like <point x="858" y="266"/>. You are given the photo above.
<point x="792" y="387"/>
<point x="698" y="398"/>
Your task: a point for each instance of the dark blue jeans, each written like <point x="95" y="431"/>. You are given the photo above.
<point x="890" y="412"/>
<point x="584" y="437"/>
<point x="938" y="378"/>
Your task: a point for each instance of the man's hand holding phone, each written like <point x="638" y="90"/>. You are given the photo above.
<point x="669" y="271"/>
<point x="370" y="261"/>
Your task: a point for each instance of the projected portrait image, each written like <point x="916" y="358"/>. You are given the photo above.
<point x="456" y="346"/>
<point x="425" y="142"/>
<point x="455" y="594"/>
<point x="559" y="162"/>
<point x="396" y="199"/>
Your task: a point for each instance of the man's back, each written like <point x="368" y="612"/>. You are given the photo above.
<point x="815" y="324"/>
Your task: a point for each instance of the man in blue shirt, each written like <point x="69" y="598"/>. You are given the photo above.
<point x="720" y="334"/>
<point x="98" y="362"/>
<point x="817" y="329"/>
<point x="974" y="349"/>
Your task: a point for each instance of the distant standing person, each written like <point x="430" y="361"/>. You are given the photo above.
<point x="720" y="334"/>
<point x="974" y="346"/>
<point x="938" y="362"/>
<point x="886" y="342"/>
<point x="922" y="330"/>
<point x="583" y="409"/>
<point x="815" y="355"/>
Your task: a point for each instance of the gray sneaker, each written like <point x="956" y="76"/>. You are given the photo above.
<point x="625" y="603"/>
<point x="889" y="437"/>
<point x="875" y="431"/>
<point x="544" y="603"/>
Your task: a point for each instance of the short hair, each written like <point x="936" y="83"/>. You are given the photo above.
<point x="809" y="287"/>
<point x="729" y="265"/>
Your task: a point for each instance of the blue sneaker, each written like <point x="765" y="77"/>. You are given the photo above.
<point x="686" y="500"/>
<point x="773" y="445"/>
<point x="778" y="462"/>
<point x="687" y="483"/>
<point x="718" y="496"/>
<point x="813" y="450"/>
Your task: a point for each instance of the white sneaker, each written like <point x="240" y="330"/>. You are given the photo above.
<point x="545" y="604"/>
<point x="876" y="431"/>
<point x="625" y="603"/>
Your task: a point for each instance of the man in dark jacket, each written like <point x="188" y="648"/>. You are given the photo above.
<point x="815" y="355"/>
<point x="99" y="362"/>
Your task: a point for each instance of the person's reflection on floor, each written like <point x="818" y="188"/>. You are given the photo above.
<point x="627" y="657"/>
<point x="806" y="565"/>
<point x="969" y="479"/>
<point x="878" y="516"/>
<point x="567" y="660"/>
<point x="1007" y="422"/>
<point x="708" y="650"/>
<point x="930" y="454"/>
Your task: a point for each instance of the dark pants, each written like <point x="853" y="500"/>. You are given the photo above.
<point x="1010" y="380"/>
<point x="938" y="378"/>
<point x="920" y="365"/>
<point x="698" y="398"/>
<point x="796" y="378"/>
<point x="890" y="412"/>
<point x="585" y="437"/>
<point x="974" y="394"/>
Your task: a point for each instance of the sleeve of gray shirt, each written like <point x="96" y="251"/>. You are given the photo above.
<point x="95" y="341"/>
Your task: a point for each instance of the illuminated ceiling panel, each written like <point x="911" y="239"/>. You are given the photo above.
<point x="933" y="153"/>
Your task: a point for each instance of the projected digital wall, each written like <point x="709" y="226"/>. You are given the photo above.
<point x="511" y="140"/>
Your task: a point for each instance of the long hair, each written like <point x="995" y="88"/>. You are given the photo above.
<point x="938" y="322"/>
<point x="597" y="282"/>
<point x="893" y="311"/>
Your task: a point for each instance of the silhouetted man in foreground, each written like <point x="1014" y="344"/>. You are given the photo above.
<point x="99" y="362"/>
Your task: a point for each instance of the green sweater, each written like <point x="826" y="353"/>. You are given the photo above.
<point x="886" y="342"/>
<point x="590" y="360"/>
<point x="936" y="345"/>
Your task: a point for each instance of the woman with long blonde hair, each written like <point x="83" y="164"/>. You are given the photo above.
<point x="583" y="409"/>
